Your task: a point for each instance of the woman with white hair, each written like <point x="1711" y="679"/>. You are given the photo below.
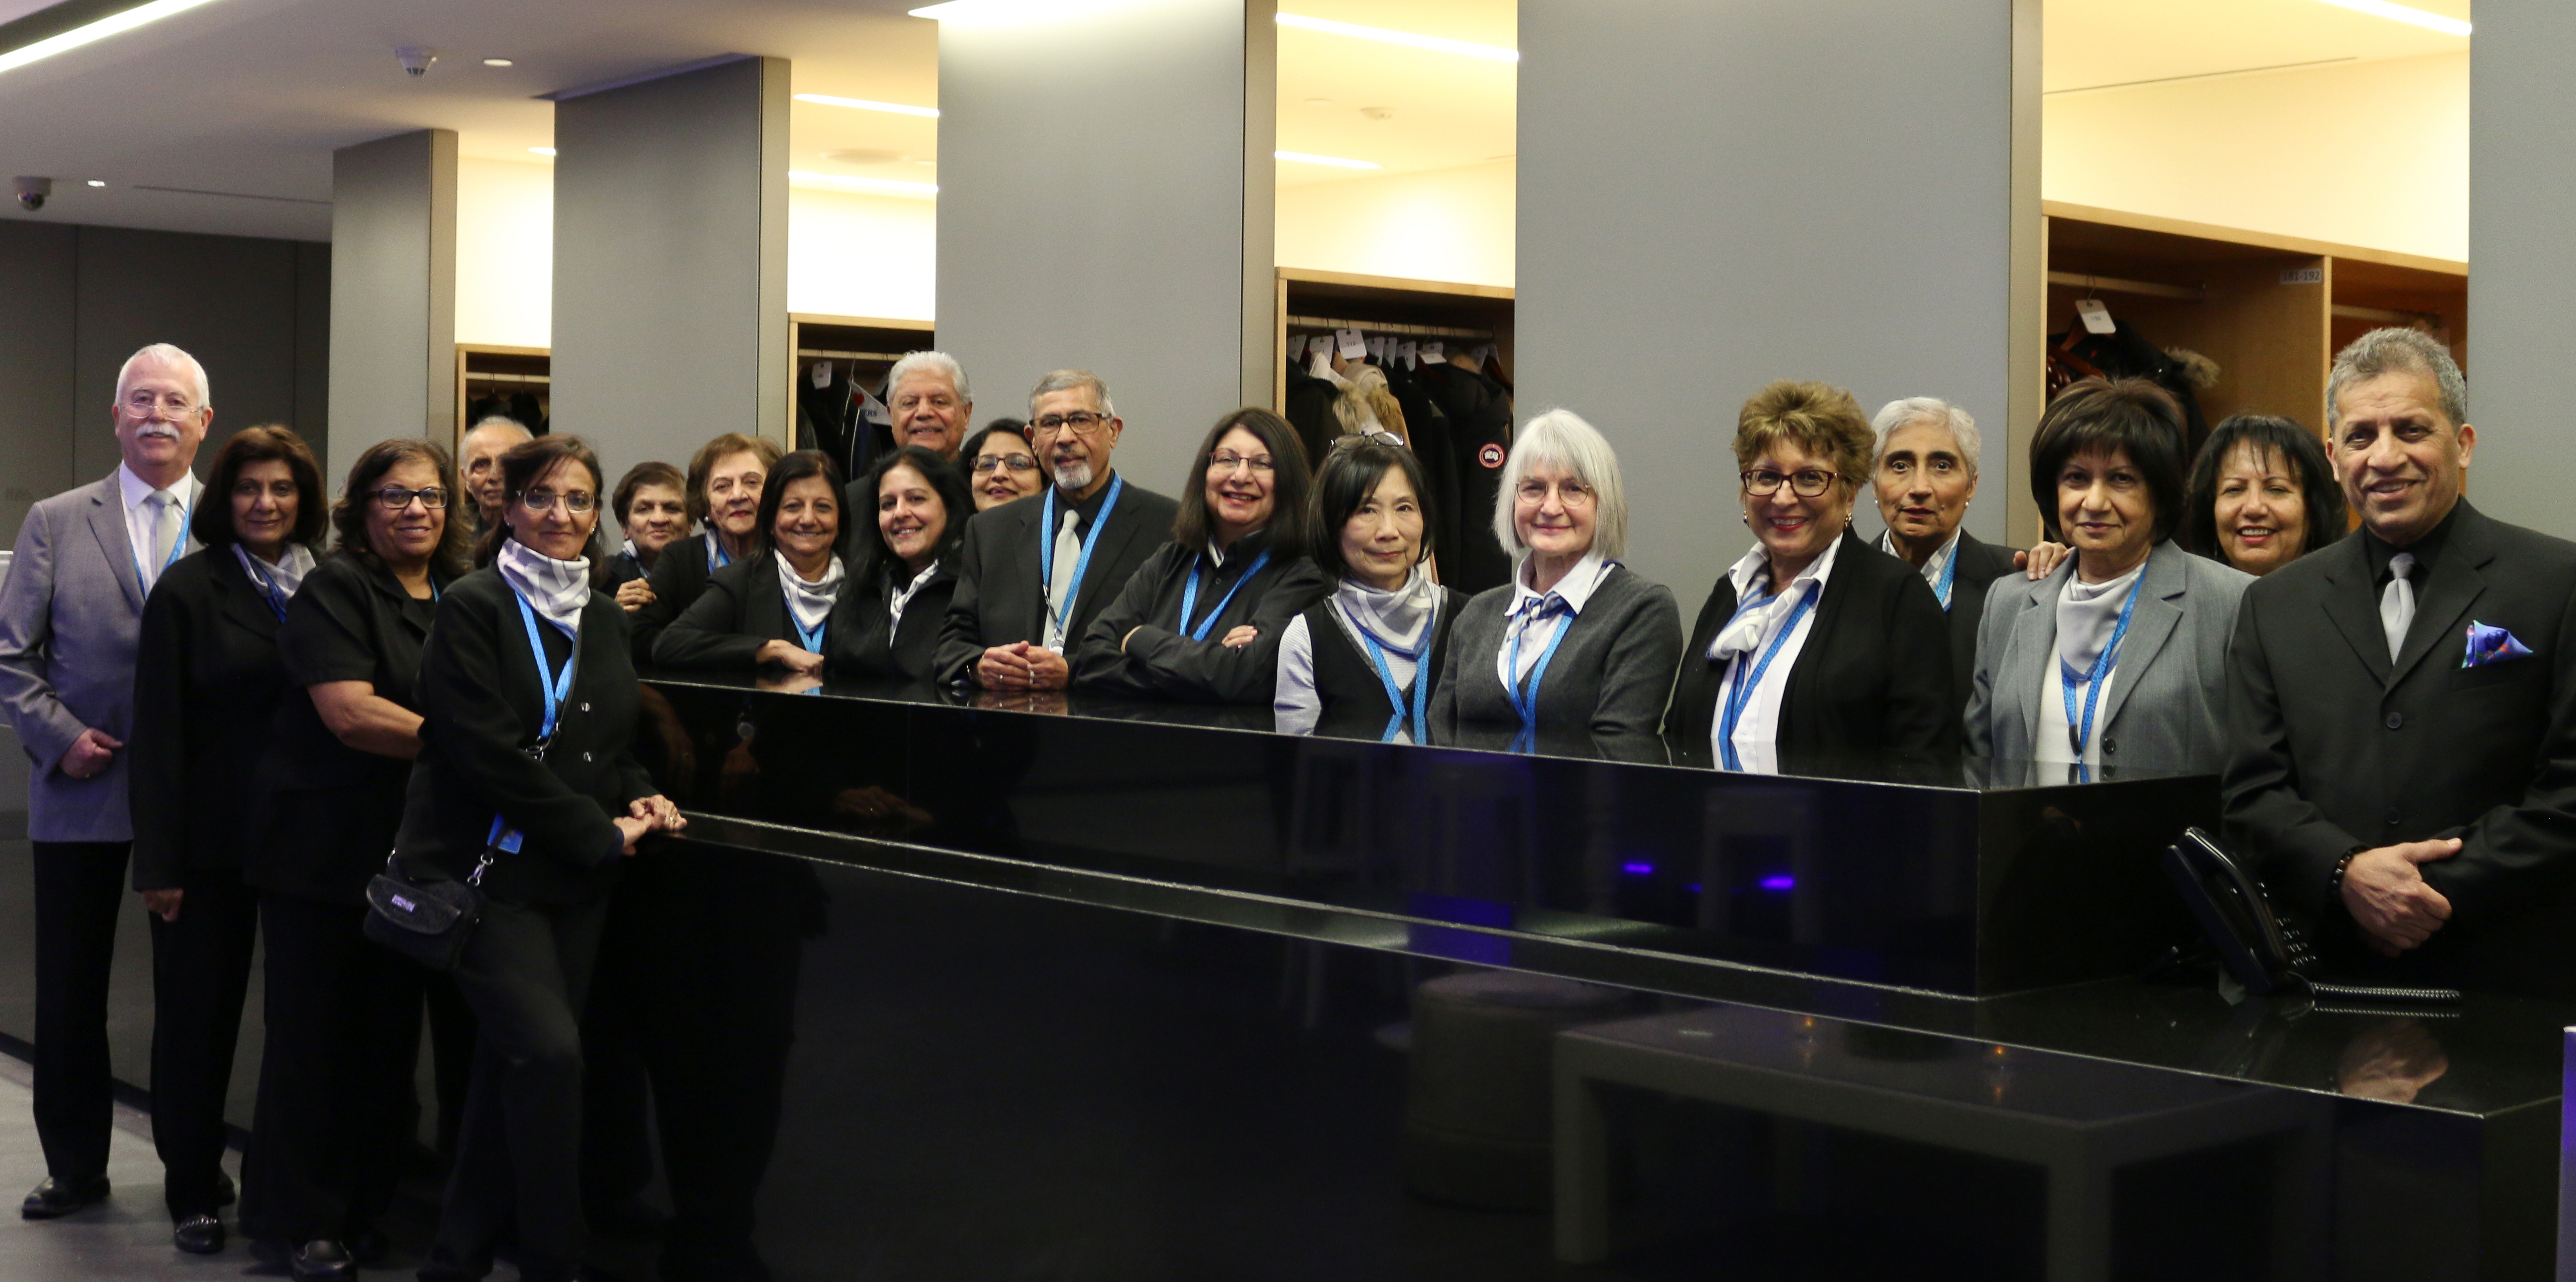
<point x="1576" y="643"/>
<point x="1924" y="479"/>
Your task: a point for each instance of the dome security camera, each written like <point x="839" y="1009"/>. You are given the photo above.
<point x="415" y="60"/>
<point x="32" y="191"/>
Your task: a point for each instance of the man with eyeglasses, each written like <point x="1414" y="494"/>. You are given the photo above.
<point x="1034" y="573"/>
<point x="70" y="617"/>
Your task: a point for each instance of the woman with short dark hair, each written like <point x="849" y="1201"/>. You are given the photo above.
<point x="785" y="602"/>
<point x="1001" y="465"/>
<point x="527" y="787"/>
<point x="2262" y="495"/>
<point x="1202" y="618"/>
<point x="2118" y="657"/>
<point x="905" y="569"/>
<point x="725" y="481"/>
<point x="207" y="685"/>
<point x="1361" y="662"/>
<point x="652" y="509"/>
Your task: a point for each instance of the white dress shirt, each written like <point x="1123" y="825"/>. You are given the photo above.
<point x="898" y="598"/>
<point x="1757" y="730"/>
<point x="139" y="518"/>
<point x="1931" y="568"/>
<point x="1534" y="617"/>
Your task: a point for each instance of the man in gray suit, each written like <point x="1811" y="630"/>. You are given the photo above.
<point x="70" y="615"/>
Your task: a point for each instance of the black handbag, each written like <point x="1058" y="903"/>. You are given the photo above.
<point x="427" y="921"/>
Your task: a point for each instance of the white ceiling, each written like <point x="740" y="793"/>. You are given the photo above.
<point x="246" y="99"/>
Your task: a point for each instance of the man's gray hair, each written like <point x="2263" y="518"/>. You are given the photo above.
<point x="1896" y="416"/>
<point x="502" y="420"/>
<point x="1065" y="380"/>
<point x="2395" y="350"/>
<point x="1560" y="438"/>
<point x="935" y="362"/>
<point x="165" y="353"/>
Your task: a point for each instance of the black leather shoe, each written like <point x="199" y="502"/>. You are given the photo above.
<point x="57" y="1198"/>
<point x="367" y="1244"/>
<point x="199" y="1235"/>
<point x="321" y="1258"/>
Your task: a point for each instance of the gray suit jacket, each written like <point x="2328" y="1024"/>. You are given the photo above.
<point x="70" y="616"/>
<point x="2168" y="694"/>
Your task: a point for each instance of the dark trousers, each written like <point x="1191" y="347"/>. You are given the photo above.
<point x="200" y="973"/>
<point x="335" y="1087"/>
<point x="80" y="886"/>
<point x="518" y="1163"/>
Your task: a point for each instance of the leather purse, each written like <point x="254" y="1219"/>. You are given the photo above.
<point x="429" y="921"/>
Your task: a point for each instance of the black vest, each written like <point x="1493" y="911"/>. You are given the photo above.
<point x="1346" y="683"/>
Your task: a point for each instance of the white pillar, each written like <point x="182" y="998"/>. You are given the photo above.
<point x="393" y="292"/>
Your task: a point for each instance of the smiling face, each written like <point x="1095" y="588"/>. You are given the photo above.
<point x="809" y="523"/>
<point x="543" y="517"/>
<point x="2403" y="463"/>
<point x="929" y="413"/>
<point x="654" y="517"/>
<point x="1553" y="512"/>
<point x="161" y="416"/>
<point x="1795" y="528"/>
<point x="1923" y="483"/>
<point x="733" y="493"/>
<point x="2105" y="511"/>
<point x="2262" y="516"/>
<point x="910" y="516"/>
<point x="1382" y="541"/>
<point x="265" y="505"/>
<point x="1077" y="457"/>
<point x="407" y="536"/>
<point x="1242" y="479"/>
<point x="1005" y="468"/>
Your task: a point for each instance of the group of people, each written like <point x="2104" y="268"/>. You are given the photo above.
<point x="455" y="681"/>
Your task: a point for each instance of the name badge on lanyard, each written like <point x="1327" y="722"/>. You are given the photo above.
<point x="503" y="835"/>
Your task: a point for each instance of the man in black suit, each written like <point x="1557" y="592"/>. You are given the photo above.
<point x="1034" y="573"/>
<point x="1925" y="477"/>
<point x="2402" y="704"/>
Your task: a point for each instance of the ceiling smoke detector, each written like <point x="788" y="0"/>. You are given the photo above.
<point x="415" y="60"/>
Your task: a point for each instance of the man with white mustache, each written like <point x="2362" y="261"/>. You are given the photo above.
<point x="70" y="617"/>
<point x="1034" y="573"/>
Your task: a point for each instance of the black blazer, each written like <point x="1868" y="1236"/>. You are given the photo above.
<point x="207" y="682"/>
<point x="872" y="647"/>
<point x="1872" y="680"/>
<point x="1000" y="599"/>
<point x="2331" y="748"/>
<point x="1161" y="663"/>
<point x="479" y="695"/>
<point x="741" y="609"/>
<point x="327" y="811"/>
<point x="1980" y="564"/>
<point x="679" y="574"/>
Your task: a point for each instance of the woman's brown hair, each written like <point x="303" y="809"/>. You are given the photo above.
<point x="702" y="463"/>
<point x="212" y="522"/>
<point x="450" y="559"/>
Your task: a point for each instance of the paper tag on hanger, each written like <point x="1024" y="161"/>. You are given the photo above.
<point x="1409" y="354"/>
<point x="2096" y="317"/>
<point x="1484" y="352"/>
<point x="1432" y="352"/>
<point x="1352" y="347"/>
<point x="1377" y="348"/>
<point x="822" y="375"/>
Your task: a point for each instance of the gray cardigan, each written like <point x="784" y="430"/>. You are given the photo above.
<point x="1610" y="677"/>
<point x="2168" y="692"/>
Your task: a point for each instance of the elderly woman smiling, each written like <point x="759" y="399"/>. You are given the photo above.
<point x="1576" y="643"/>
<point x="2119" y="655"/>
<point x="1815" y="644"/>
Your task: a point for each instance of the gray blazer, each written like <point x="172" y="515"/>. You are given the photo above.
<point x="70" y="615"/>
<point x="1605" y="688"/>
<point x="2169" y="692"/>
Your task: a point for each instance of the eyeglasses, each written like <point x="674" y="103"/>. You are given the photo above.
<point x="144" y="403"/>
<point x="1226" y="462"/>
<point x="395" y="498"/>
<point x="1806" y="482"/>
<point x="1570" y="493"/>
<point x="576" y="502"/>
<point x="998" y="462"/>
<point x="1080" y="421"/>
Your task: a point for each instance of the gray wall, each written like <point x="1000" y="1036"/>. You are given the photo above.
<point x="670" y="289"/>
<point x="393" y="315"/>
<point x="1718" y="193"/>
<point x="2522" y="209"/>
<point x="1106" y="202"/>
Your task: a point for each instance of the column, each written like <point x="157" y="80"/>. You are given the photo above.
<point x="393" y="292"/>
<point x="2522" y="199"/>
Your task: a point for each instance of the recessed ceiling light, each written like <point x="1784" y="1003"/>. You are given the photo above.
<point x="1335" y="161"/>
<point x="110" y="25"/>
<point x="1438" y="44"/>
<point x="96" y="183"/>
<point x="543" y="151"/>
<point x="498" y="62"/>
<point x="863" y="104"/>
<point x="878" y="186"/>
<point x="2400" y="13"/>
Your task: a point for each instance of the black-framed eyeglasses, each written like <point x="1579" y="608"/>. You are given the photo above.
<point x="395" y="498"/>
<point x="1806" y="482"/>
<point x="1228" y="460"/>
<point x="1081" y="421"/>
<point x="576" y="502"/>
<point x="1001" y="462"/>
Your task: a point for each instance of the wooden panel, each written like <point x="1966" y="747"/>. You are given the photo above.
<point x="1400" y="284"/>
<point x="2227" y="241"/>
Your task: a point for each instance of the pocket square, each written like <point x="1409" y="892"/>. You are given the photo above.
<point x="2491" y="645"/>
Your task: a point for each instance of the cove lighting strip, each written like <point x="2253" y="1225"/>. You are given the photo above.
<point x="881" y="186"/>
<point x="113" y="24"/>
<point x="2401" y="13"/>
<point x="862" y="104"/>
<point x="1335" y="161"/>
<point x="1437" y="44"/>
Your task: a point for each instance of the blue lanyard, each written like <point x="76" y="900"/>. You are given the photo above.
<point x="812" y="641"/>
<point x="717" y="557"/>
<point x="2081" y="732"/>
<point x="267" y="586"/>
<point x="503" y="835"/>
<point x="177" y="546"/>
<point x="1525" y="699"/>
<point x="1949" y="576"/>
<point x="1739" y="693"/>
<point x="1190" y="595"/>
<point x="1421" y="678"/>
<point x="1046" y="551"/>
